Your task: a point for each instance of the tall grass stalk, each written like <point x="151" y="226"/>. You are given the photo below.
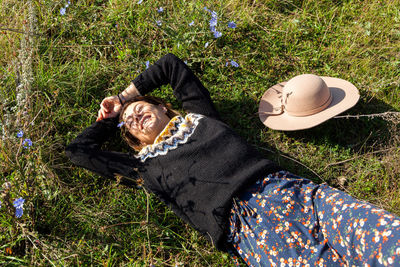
<point x="58" y="59"/>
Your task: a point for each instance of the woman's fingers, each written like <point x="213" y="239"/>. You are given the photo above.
<point x="107" y="107"/>
<point x="104" y="105"/>
<point x="99" y="116"/>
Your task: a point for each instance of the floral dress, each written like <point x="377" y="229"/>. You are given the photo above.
<point x="286" y="220"/>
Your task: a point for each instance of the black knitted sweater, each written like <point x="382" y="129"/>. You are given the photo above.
<point x="198" y="177"/>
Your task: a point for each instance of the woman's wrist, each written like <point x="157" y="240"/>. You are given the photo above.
<point x="120" y="99"/>
<point x="129" y="93"/>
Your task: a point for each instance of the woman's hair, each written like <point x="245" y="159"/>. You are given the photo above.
<point x="129" y="138"/>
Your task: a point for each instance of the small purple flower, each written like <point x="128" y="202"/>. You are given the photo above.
<point x="206" y="9"/>
<point x="19" y="203"/>
<point x="62" y="11"/>
<point x="191" y="23"/>
<point x="27" y="143"/>
<point x="206" y="45"/>
<point x="160" y="9"/>
<point x="120" y="124"/>
<point x="185" y="62"/>
<point x="213" y="29"/>
<point x="232" y="25"/>
<point x="19" y="207"/>
<point x="213" y="21"/>
<point x="20" y="134"/>
<point x="140" y="1"/>
<point x="19" y="213"/>
<point x="159" y="22"/>
<point x="217" y="34"/>
<point x="147" y="64"/>
<point x="0" y="204"/>
<point x="227" y="64"/>
<point x="110" y="42"/>
<point x="234" y="64"/>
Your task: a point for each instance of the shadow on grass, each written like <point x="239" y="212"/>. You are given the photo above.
<point x="353" y="133"/>
<point x="358" y="135"/>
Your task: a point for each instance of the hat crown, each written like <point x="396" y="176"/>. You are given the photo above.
<point x="305" y="95"/>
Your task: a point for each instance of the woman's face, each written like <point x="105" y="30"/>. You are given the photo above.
<point x="145" y="121"/>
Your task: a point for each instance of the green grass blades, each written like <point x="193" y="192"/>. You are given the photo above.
<point x="59" y="59"/>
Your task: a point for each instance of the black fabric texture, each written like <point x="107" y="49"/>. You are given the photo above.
<point x="199" y="178"/>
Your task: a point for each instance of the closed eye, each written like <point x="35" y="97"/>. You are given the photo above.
<point x="138" y="108"/>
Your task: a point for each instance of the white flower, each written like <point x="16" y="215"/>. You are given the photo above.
<point x="387" y="233"/>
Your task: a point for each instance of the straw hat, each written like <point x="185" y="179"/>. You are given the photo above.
<point x="305" y="101"/>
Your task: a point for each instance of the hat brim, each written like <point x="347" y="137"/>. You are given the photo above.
<point x="344" y="96"/>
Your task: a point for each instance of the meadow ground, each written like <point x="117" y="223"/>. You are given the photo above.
<point x="59" y="59"/>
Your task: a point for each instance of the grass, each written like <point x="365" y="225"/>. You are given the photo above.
<point x="74" y="217"/>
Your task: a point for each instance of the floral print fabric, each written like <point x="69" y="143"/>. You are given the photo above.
<point x="286" y="220"/>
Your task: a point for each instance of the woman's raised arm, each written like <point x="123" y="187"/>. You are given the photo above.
<point x="85" y="151"/>
<point x="187" y="87"/>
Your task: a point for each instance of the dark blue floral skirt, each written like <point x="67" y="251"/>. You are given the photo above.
<point x="286" y="220"/>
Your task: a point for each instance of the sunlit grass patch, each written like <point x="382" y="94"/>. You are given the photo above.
<point x="86" y="50"/>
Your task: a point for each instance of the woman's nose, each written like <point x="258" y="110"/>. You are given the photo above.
<point x="137" y="117"/>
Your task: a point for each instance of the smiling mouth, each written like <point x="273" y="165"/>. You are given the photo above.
<point x="145" y="121"/>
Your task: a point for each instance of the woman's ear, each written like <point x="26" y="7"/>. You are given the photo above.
<point x="164" y="108"/>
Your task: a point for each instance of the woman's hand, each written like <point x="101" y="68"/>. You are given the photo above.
<point x="110" y="107"/>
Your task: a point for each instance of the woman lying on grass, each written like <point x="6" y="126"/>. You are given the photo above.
<point x="215" y="181"/>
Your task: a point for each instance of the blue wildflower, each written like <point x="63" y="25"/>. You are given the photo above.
<point x="160" y="9"/>
<point x="206" y="45"/>
<point x="19" y="203"/>
<point x="159" y="22"/>
<point x="206" y="9"/>
<point x="120" y="124"/>
<point x="213" y="29"/>
<point x="27" y="143"/>
<point x="227" y="64"/>
<point x="62" y="11"/>
<point x="185" y="62"/>
<point x="140" y="1"/>
<point x="217" y="34"/>
<point x="232" y="25"/>
<point x="67" y="4"/>
<point x="0" y="204"/>
<point x="191" y="23"/>
<point x="19" y="213"/>
<point x="20" y="134"/>
<point x="234" y="64"/>
<point x="147" y="64"/>
<point x="19" y="207"/>
<point x="213" y="21"/>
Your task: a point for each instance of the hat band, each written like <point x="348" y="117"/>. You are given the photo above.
<point x="311" y="111"/>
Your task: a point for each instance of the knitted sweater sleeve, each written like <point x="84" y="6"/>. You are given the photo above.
<point x="85" y="151"/>
<point x="187" y="88"/>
